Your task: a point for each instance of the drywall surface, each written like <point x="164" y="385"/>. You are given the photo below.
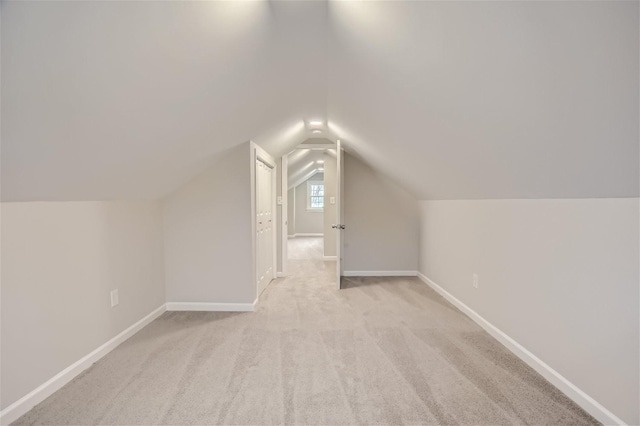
<point x="60" y="261"/>
<point x="382" y="222"/>
<point x="207" y="230"/>
<point x="330" y="212"/>
<point x="490" y="99"/>
<point x="307" y="222"/>
<point x="119" y="100"/>
<point x="558" y="276"/>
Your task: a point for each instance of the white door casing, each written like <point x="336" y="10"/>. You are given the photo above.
<point x="284" y="226"/>
<point x="264" y="223"/>
<point x="339" y="227"/>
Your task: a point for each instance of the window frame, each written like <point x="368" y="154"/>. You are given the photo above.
<point x="314" y="209"/>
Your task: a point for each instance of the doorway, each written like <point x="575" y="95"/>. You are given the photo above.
<point x="312" y="186"/>
<point x="306" y="204"/>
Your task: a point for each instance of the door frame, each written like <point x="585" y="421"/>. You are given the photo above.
<point x="339" y="213"/>
<point x="257" y="153"/>
<point x="284" y="213"/>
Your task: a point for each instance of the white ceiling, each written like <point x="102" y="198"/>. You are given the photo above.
<point x="112" y="100"/>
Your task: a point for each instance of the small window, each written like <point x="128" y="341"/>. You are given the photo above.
<point x="315" y="196"/>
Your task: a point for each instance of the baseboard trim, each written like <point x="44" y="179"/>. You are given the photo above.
<point x="589" y="404"/>
<point x="280" y="274"/>
<point x="380" y="273"/>
<point x="212" y="307"/>
<point x="327" y="258"/>
<point x="39" y="394"/>
<point x="306" y="234"/>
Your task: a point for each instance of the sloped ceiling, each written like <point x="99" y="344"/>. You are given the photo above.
<point x="111" y="100"/>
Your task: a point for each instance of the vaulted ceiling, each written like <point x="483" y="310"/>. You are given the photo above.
<point x="112" y="100"/>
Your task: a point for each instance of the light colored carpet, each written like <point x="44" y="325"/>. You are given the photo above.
<point x="381" y="351"/>
<point x="305" y="248"/>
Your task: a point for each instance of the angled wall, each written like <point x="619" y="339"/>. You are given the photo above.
<point x="207" y="234"/>
<point x="560" y="277"/>
<point x="382" y="221"/>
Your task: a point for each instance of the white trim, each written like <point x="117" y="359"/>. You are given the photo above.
<point x="257" y="153"/>
<point x="281" y="274"/>
<point x="284" y="214"/>
<point x="217" y="307"/>
<point x="39" y="394"/>
<point x="589" y="404"/>
<point x="326" y="258"/>
<point x="308" y="196"/>
<point x="308" y="234"/>
<point x="379" y="273"/>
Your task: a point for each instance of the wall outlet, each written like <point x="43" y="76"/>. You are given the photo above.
<point x="114" y="298"/>
<point x="475" y="280"/>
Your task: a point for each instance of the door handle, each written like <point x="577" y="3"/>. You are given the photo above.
<point x="338" y="226"/>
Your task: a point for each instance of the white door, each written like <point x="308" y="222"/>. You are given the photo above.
<point x="339" y="227"/>
<point x="264" y="225"/>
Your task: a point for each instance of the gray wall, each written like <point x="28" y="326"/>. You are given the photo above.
<point x="330" y="212"/>
<point x="60" y="261"/>
<point x="307" y="222"/>
<point x="558" y="276"/>
<point x="208" y="246"/>
<point x="382" y="222"/>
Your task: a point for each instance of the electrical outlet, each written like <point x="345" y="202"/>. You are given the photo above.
<point x="475" y="280"/>
<point x="114" y="298"/>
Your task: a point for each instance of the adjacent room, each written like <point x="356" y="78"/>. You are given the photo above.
<point x="320" y="212"/>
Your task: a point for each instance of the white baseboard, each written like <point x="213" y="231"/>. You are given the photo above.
<point x="307" y="234"/>
<point x="380" y="273"/>
<point x="222" y="307"/>
<point x="589" y="404"/>
<point x="328" y="258"/>
<point x="280" y="274"/>
<point x="39" y="394"/>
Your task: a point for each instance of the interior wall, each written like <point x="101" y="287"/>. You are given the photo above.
<point x="307" y="222"/>
<point x="330" y="212"/>
<point x="60" y="261"/>
<point x="382" y="221"/>
<point x="558" y="276"/>
<point x="208" y="245"/>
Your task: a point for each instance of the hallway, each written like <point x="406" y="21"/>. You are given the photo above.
<point x="381" y="351"/>
<point x="305" y="248"/>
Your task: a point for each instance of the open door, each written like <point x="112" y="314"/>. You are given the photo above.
<point x="339" y="227"/>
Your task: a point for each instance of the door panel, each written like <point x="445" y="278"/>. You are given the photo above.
<point x="264" y="225"/>
<point x="339" y="214"/>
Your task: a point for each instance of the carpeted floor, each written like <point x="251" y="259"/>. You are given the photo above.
<point x="381" y="351"/>
<point x="305" y="248"/>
